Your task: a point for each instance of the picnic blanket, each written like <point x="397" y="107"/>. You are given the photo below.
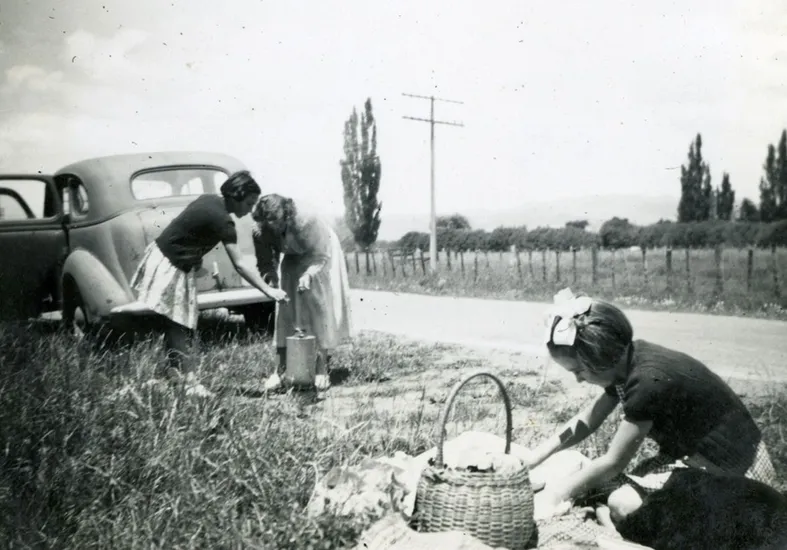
<point x="383" y="490"/>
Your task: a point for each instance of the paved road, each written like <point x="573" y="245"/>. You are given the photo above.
<point x="732" y="346"/>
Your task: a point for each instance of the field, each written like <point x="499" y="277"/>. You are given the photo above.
<point x="745" y="283"/>
<point x="96" y="456"/>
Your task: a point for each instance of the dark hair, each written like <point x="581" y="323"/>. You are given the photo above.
<point x="274" y="208"/>
<point x="239" y="186"/>
<point x="603" y="336"/>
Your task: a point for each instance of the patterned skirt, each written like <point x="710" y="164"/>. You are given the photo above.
<point x="650" y="475"/>
<point x="165" y="289"/>
<point x="647" y="477"/>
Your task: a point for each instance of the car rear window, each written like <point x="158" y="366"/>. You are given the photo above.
<point x="175" y="182"/>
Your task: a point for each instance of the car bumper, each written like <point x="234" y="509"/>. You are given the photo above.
<point x="206" y="300"/>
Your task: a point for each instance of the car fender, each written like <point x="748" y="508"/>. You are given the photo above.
<point x="99" y="289"/>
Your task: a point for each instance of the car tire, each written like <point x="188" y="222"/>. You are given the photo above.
<point x="77" y="320"/>
<point x="260" y="318"/>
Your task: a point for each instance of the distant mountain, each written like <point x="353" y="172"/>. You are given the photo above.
<point x="555" y="213"/>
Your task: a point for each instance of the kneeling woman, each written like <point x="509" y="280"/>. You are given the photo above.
<point x="696" y="419"/>
<point x="165" y="280"/>
<point x="313" y="266"/>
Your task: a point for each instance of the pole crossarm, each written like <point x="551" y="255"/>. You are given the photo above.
<point x="434" y="121"/>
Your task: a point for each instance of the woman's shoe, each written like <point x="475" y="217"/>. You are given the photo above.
<point x="322" y="382"/>
<point x="273" y="383"/>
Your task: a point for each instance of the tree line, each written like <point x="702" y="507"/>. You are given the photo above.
<point x="616" y="233"/>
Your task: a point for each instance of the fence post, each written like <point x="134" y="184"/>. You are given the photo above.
<point x="448" y="258"/>
<point x="423" y="261"/>
<point x="544" y="264"/>
<point x="475" y="267"/>
<point x="518" y="261"/>
<point x="486" y="255"/>
<point x="385" y="269"/>
<point x="462" y="262"/>
<point x="749" y="268"/>
<point x="404" y="264"/>
<point x="614" y="279"/>
<point x="412" y="256"/>
<point x="645" y="265"/>
<point x="777" y="291"/>
<point x="393" y="265"/>
<point x="530" y="262"/>
<point x="346" y="263"/>
<point x="688" y="271"/>
<point x="669" y="269"/>
<point x="717" y="258"/>
<point x="594" y="263"/>
<point x="357" y="263"/>
<point x="374" y="261"/>
<point x="574" y="265"/>
<point x="557" y="265"/>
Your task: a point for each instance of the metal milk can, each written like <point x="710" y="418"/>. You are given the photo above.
<point x="301" y="367"/>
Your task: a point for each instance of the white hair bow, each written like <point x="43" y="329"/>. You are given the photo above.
<point x="567" y="307"/>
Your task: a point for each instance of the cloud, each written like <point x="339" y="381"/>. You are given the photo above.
<point x="31" y="77"/>
<point x="105" y="59"/>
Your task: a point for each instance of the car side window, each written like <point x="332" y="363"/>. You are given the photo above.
<point x="80" y="205"/>
<point x="24" y="200"/>
<point x="74" y="196"/>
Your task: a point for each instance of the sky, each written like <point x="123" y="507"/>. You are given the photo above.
<point x="560" y="99"/>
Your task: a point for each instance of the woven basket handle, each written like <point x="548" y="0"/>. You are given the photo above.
<point x="449" y="403"/>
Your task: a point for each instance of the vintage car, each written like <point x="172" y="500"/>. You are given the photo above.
<point x="71" y="241"/>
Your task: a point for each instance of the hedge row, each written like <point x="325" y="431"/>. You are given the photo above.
<point x="616" y="233"/>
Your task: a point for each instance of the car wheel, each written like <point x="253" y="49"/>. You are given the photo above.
<point x="77" y="320"/>
<point x="260" y="318"/>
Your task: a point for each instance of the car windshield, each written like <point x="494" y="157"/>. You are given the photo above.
<point x="174" y="182"/>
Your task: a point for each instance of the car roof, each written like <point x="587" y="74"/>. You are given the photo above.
<point x="108" y="178"/>
<point x="122" y="167"/>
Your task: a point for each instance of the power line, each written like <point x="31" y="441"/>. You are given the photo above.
<point x="431" y="120"/>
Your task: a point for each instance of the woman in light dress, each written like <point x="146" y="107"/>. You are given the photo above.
<point x="298" y="249"/>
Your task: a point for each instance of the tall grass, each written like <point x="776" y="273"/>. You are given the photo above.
<point x="97" y="454"/>
<point x="621" y="276"/>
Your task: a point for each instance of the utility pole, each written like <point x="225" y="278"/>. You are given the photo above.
<point x="432" y="122"/>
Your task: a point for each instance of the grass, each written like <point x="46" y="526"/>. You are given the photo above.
<point x="94" y="456"/>
<point x="621" y="277"/>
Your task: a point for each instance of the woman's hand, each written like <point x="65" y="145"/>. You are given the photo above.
<point x="305" y="282"/>
<point x="277" y="294"/>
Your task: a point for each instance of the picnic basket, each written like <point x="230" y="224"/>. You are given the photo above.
<point x="494" y="507"/>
